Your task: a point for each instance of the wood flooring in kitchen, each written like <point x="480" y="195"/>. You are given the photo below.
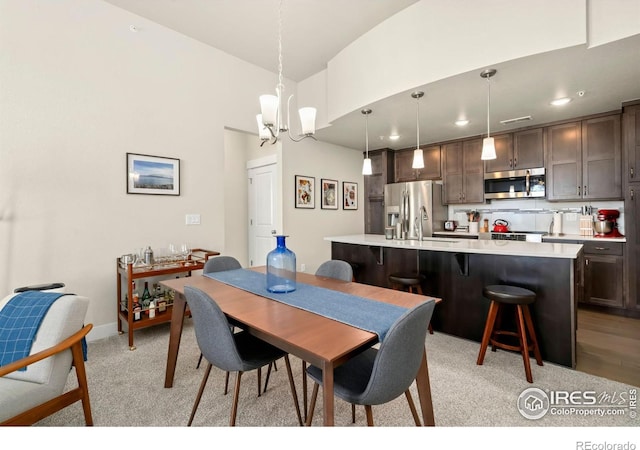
<point x="608" y="346"/>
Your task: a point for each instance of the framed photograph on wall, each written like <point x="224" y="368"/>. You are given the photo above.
<point x="329" y="194"/>
<point x="305" y="192"/>
<point x="154" y="175"/>
<point x="349" y="195"/>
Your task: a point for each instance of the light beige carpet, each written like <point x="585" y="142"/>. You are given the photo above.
<point x="127" y="389"/>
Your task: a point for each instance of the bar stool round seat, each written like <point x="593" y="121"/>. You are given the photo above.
<point x="521" y="298"/>
<point x="408" y="280"/>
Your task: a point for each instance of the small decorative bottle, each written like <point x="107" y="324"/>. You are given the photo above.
<point x="281" y="268"/>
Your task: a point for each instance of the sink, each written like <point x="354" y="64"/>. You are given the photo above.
<point x="439" y="240"/>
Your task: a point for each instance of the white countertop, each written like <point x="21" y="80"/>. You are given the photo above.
<point x="545" y="237"/>
<point x="479" y="246"/>
<point x="578" y="237"/>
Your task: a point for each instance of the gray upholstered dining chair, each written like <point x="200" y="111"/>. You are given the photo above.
<point x="335" y="268"/>
<point x="233" y="352"/>
<point x="377" y="376"/>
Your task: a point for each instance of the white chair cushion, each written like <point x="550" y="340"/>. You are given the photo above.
<point x="65" y="317"/>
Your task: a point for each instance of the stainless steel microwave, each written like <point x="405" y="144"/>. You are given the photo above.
<point x="523" y="183"/>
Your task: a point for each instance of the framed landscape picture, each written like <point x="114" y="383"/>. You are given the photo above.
<point x="305" y="192"/>
<point x="329" y="194"/>
<point x="349" y="195"/>
<point x="152" y="175"/>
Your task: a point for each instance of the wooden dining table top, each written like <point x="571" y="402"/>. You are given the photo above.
<point x="307" y="335"/>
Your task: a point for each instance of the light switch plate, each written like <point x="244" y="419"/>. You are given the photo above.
<point x="192" y="219"/>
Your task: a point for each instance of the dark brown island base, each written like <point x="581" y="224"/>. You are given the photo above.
<point x="457" y="270"/>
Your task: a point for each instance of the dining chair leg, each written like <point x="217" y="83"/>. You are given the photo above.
<point x="236" y="395"/>
<point x="226" y="383"/>
<point x="199" y="396"/>
<point x="259" y="381"/>
<point x="369" y="413"/>
<point x="199" y="361"/>
<point x="353" y="413"/>
<point x="266" y="381"/>
<point x="312" y="404"/>
<point x="304" y="389"/>
<point x="412" y="407"/>
<point x="293" y="389"/>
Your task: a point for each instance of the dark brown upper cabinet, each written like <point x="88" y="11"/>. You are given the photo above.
<point x="584" y="160"/>
<point x="519" y="150"/>
<point x="463" y="177"/>
<point x="432" y="165"/>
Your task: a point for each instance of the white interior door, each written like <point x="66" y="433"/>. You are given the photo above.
<point x="264" y="212"/>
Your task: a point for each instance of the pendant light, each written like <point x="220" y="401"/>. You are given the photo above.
<point x="270" y="122"/>
<point x="488" y="146"/>
<point x="418" y="157"/>
<point x="366" y="165"/>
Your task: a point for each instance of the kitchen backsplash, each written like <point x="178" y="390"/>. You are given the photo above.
<point x="534" y="215"/>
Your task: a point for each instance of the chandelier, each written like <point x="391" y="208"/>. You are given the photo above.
<point x="270" y="121"/>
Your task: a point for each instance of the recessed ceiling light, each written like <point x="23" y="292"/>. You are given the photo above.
<point x="394" y="137"/>
<point x="561" y="101"/>
<point x="462" y="122"/>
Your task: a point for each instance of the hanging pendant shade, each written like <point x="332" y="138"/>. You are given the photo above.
<point x="418" y="156"/>
<point x="366" y="165"/>
<point x="488" y="145"/>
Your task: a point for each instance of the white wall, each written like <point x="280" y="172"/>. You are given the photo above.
<point x="307" y="227"/>
<point x="78" y="90"/>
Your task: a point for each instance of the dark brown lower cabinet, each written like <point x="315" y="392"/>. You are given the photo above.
<point x="603" y="280"/>
<point x="458" y="279"/>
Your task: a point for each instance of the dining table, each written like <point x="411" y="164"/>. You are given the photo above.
<point x="319" y="340"/>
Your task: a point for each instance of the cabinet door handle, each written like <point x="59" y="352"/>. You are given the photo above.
<point x="510" y="162"/>
<point x="586" y="261"/>
<point x="602" y="248"/>
<point x="578" y="190"/>
<point x="584" y="191"/>
<point x="515" y="162"/>
<point x="631" y="172"/>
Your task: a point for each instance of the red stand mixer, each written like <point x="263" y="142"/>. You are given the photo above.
<point x="607" y="224"/>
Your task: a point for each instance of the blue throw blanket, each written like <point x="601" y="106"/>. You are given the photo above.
<point x="20" y="320"/>
<point x="366" y="314"/>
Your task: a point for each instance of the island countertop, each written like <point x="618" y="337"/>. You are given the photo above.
<point x="479" y="246"/>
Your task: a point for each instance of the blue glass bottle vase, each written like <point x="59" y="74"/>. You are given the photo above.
<point x="281" y="268"/>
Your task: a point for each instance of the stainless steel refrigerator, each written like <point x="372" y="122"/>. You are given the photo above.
<point x="414" y="209"/>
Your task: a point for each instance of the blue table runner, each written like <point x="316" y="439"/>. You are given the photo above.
<point x="366" y="314"/>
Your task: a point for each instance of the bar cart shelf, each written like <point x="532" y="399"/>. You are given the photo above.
<point x="127" y="273"/>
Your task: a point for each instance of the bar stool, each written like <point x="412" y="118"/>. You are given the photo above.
<point x="501" y="295"/>
<point x="409" y="281"/>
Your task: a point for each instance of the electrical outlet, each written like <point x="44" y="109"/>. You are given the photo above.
<point x="192" y="219"/>
<point x="303" y="267"/>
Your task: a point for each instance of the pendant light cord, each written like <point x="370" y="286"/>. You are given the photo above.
<point x="366" y="131"/>
<point x="417" y="123"/>
<point x="488" y="103"/>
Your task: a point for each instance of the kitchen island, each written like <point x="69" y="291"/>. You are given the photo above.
<point x="456" y="270"/>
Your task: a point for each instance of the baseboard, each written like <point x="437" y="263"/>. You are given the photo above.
<point x="103" y="331"/>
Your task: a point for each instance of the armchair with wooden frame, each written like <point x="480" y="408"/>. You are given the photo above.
<point x="27" y="397"/>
